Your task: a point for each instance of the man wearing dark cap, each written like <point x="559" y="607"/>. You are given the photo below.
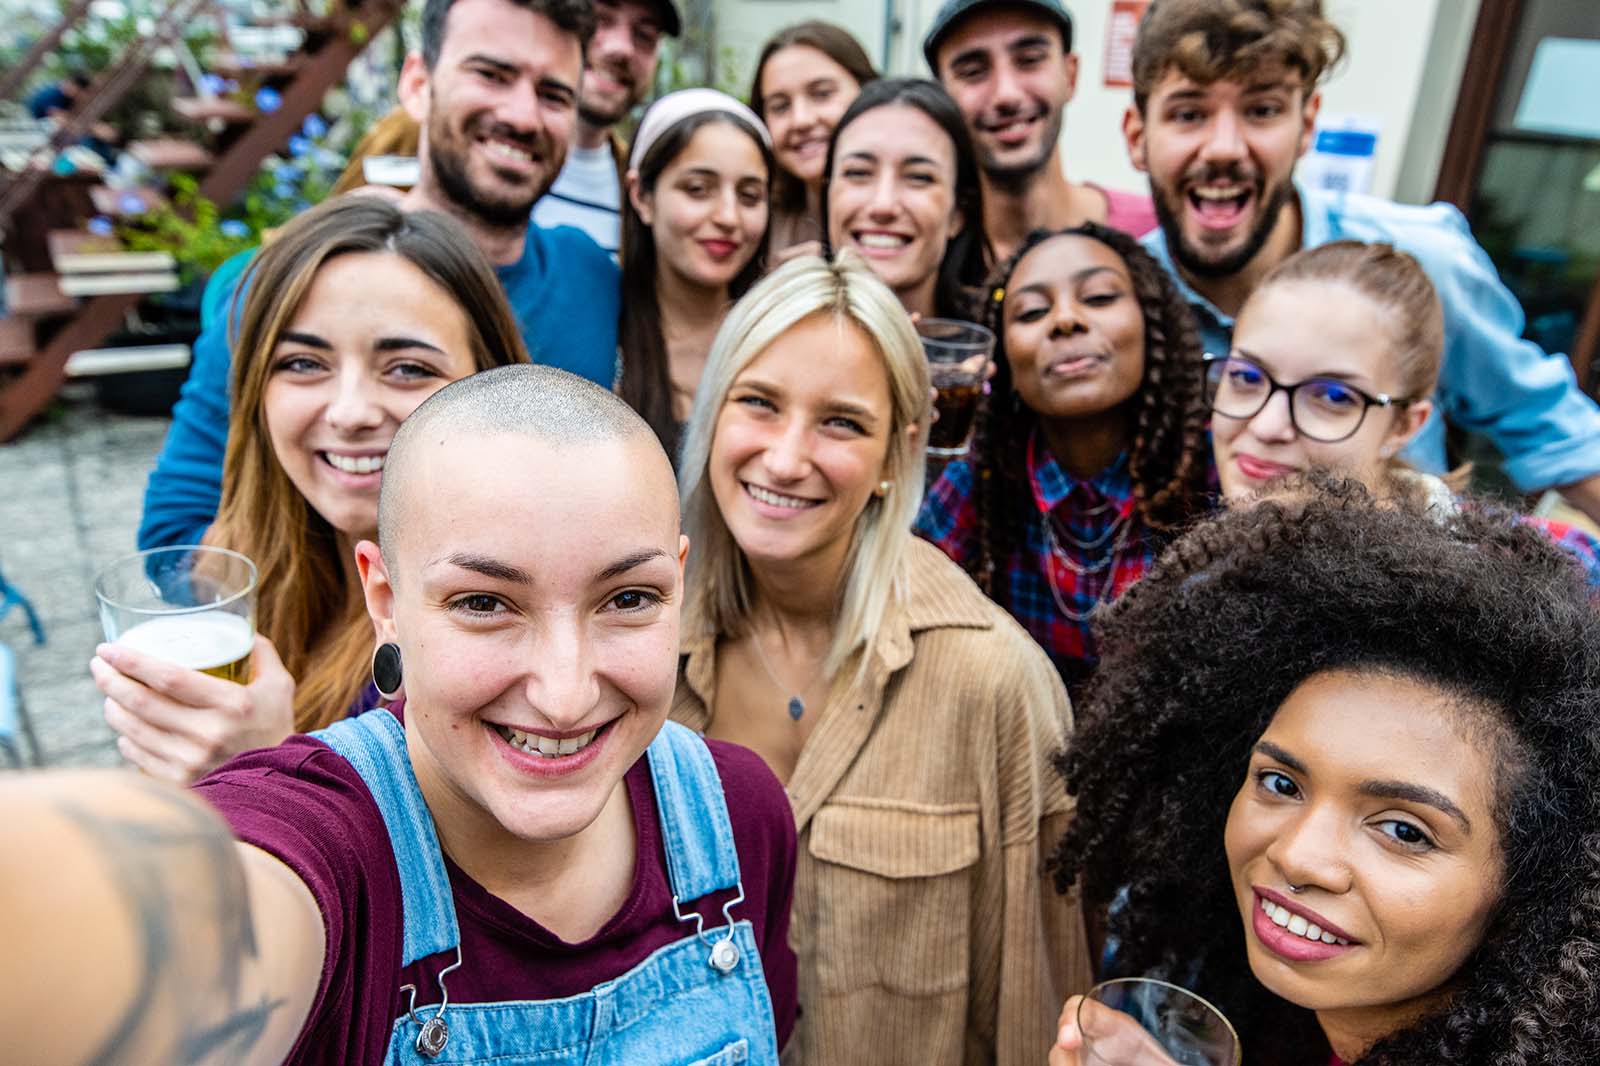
<point x="1010" y="67"/>
<point x="617" y="75"/>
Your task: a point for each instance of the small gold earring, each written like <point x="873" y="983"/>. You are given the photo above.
<point x="883" y="489"/>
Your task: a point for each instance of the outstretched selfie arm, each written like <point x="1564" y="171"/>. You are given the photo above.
<point x="138" y="930"/>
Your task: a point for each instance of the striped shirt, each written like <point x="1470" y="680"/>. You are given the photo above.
<point x="587" y="194"/>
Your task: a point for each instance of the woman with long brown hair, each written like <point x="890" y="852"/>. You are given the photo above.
<point x="694" y="235"/>
<point x="355" y="314"/>
<point x="806" y="77"/>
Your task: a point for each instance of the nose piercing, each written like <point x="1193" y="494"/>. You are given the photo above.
<point x="1297" y="889"/>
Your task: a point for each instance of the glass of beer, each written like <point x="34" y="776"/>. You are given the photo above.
<point x="193" y="605"/>
<point x="1138" y="1021"/>
<point x="958" y="362"/>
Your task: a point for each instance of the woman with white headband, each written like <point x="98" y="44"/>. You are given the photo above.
<point x="694" y="234"/>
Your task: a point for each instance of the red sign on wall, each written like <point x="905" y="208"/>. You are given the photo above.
<point x="1120" y="32"/>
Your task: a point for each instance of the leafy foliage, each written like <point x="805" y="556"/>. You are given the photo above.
<point x="201" y="234"/>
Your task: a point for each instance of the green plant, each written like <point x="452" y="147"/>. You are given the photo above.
<point x="191" y="228"/>
<point x="200" y="234"/>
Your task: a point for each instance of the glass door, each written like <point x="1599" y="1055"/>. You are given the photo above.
<point x="1535" y="205"/>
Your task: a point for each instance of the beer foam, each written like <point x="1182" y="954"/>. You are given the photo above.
<point x="201" y="641"/>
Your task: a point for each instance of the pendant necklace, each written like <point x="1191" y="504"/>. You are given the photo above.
<point x="797" y="706"/>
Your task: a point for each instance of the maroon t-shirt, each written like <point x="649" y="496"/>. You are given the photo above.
<point x="307" y="805"/>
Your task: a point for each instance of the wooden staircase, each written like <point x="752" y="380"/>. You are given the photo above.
<point x="38" y="336"/>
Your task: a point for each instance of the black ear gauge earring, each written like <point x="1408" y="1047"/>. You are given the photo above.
<point x="386" y="672"/>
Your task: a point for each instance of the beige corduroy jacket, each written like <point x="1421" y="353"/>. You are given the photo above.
<point x="926" y="928"/>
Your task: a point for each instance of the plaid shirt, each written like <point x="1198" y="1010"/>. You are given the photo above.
<point x="1035" y="583"/>
<point x="1579" y="544"/>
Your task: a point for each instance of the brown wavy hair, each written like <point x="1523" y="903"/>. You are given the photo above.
<point x="1211" y="40"/>
<point x="307" y="604"/>
<point x="1169" y="457"/>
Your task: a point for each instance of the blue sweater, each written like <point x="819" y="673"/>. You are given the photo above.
<point x="564" y="293"/>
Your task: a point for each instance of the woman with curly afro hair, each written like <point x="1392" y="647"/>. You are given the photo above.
<point x="1342" y="758"/>
<point x="1090" y="448"/>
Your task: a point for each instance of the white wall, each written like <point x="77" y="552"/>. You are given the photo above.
<point x="1403" y="68"/>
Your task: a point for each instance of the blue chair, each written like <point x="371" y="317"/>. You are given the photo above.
<point x="14" y="721"/>
<point x="11" y="596"/>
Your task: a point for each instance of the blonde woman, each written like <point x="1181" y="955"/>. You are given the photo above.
<point x="356" y="313"/>
<point x="911" y="719"/>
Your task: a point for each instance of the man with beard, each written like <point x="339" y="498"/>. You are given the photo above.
<point x="1010" y="67"/>
<point x="1225" y="103"/>
<point x="494" y="91"/>
<point x="617" y="74"/>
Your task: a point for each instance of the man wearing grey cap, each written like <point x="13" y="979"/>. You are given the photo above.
<point x="619" y="69"/>
<point x="1009" y="65"/>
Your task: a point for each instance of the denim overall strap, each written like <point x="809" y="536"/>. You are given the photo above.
<point x="701" y="1000"/>
<point x="375" y="744"/>
<point x="701" y="858"/>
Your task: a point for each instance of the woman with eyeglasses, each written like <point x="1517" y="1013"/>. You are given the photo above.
<point x="1334" y="362"/>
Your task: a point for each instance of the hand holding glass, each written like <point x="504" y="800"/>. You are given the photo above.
<point x="194" y="606"/>
<point x="958" y="362"/>
<point x="1143" y="1022"/>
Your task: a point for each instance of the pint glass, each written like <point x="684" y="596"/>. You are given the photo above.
<point x="193" y="605"/>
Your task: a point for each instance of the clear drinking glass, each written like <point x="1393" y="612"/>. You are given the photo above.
<point x="191" y="605"/>
<point x="1138" y="1021"/>
<point x="958" y="362"/>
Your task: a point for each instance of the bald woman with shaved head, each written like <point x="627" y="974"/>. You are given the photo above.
<point x="521" y="858"/>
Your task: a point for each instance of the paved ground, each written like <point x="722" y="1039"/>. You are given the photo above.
<point x="71" y="488"/>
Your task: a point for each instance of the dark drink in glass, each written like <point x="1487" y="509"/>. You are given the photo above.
<point x="958" y="364"/>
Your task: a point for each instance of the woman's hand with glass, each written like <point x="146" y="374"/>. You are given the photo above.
<point x="1118" y="1039"/>
<point x="178" y="724"/>
<point x="1136" y="1021"/>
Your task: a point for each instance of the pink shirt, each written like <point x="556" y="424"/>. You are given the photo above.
<point x="1131" y="212"/>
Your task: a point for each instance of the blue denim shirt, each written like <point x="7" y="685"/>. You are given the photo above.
<point x="1524" y="399"/>
<point x="564" y="293"/>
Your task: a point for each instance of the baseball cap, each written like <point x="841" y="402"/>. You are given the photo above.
<point x="955" y="11"/>
<point x="671" y="20"/>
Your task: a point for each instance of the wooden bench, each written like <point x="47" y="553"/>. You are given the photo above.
<point x="36" y="296"/>
<point x="16" y="340"/>
<point x="169" y="153"/>
<point x="200" y="109"/>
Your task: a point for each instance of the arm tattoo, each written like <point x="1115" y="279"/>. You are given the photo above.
<point x="181" y="878"/>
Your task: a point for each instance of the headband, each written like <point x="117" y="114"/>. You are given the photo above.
<point x="673" y="108"/>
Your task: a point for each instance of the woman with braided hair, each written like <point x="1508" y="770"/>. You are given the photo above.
<point x="1365" y="823"/>
<point x="1090" y="448"/>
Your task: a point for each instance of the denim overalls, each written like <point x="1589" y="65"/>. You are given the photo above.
<point x="701" y="1001"/>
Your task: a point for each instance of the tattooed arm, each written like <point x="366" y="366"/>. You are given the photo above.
<point x="135" y="929"/>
